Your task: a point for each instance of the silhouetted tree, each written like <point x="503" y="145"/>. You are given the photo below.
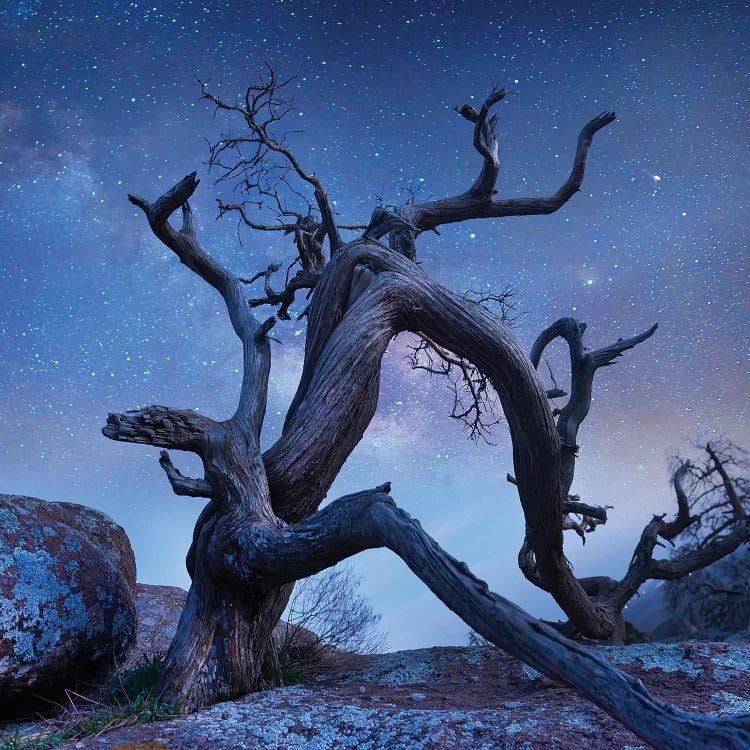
<point x="714" y="600"/>
<point x="261" y="529"/>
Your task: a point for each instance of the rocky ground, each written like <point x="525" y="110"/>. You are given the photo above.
<point x="474" y="698"/>
<point x="448" y="698"/>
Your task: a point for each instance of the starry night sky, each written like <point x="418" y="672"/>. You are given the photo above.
<point x="101" y="99"/>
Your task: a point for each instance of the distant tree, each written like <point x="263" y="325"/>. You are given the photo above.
<point x="714" y="601"/>
<point x="261" y="529"/>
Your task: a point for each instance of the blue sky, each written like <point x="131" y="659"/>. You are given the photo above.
<point x="101" y="99"/>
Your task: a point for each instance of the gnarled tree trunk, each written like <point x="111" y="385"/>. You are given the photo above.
<point x="261" y="529"/>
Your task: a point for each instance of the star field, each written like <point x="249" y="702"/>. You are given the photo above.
<point x="101" y="99"/>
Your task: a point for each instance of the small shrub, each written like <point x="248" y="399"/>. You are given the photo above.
<point x="291" y="672"/>
<point x="474" y="639"/>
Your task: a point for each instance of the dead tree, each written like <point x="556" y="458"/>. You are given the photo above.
<point x="712" y="510"/>
<point x="261" y="529"/>
<point x="717" y="489"/>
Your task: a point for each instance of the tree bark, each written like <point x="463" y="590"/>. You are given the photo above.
<point x="261" y="529"/>
<point x="224" y="632"/>
<point x="371" y="519"/>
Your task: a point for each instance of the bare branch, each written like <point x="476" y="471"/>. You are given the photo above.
<point x="263" y="107"/>
<point x="644" y="567"/>
<point x="598" y="512"/>
<point x="371" y="519"/>
<point x="555" y="391"/>
<point x="272" y="268"/>
<point x="731" y="492"/>
<point x="607" y="355"/>
<point x="183" y="485"/>
<point x="474" y="401"/>
<point x="691" y="560"/>
<point x="256" y="350"/>
<point x="569" y="524"/>
<point x="159" y="426"/>
<point x="187" y="249"/>
<point x="683" y="519"/>
<point x="591" y="517"/>
<point x="485" y="142"/>
<point x="303" y="279"/>
<point x="583" y="366"/>
<point x="240" y="209"/>
<point x="478" y="202"/>
<point x="484" y="131"/>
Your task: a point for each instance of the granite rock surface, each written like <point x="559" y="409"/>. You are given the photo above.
<point x="462" y="698"/>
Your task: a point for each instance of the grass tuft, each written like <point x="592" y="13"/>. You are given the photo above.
<point x="292" y="672"/>
<point x="127" y="699"/>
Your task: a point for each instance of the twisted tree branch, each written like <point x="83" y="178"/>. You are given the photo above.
<point x="182" y="485"/>
<point x="371" y="519"/>
<point x="478" y="202"/>
<point x="256" y="351"/>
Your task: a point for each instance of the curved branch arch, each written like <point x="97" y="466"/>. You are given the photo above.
<point x="261" y="528"/>
<point x="340" y="377"/>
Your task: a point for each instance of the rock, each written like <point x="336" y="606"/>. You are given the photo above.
<point x="67" y="588"/>
<point x="468" y="698"/>
<point x="297" y="640"/>
<point x="159" y="609"/>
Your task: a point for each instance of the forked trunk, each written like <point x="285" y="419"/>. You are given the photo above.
<point x="223" y="647"/>
<point x="224" y="638"/>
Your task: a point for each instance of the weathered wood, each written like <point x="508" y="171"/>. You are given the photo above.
<point x="614" y="595"/>
<point x="342" y="362"/>
<point x="479" y="202"/>
<point x="182" y="485"/>
<point x="262" y="529"/>
<point x="371" y="519"/>
<point x="160" y="426"/>
<point x="224" y="633"/>
<point x="223" y="638"/>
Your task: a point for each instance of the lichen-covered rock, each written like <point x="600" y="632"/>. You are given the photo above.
<point x="67" y="597"/>
<point x="476" y="698"/>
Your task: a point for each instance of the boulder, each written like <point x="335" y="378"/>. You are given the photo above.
<point x="67" y="597"/>
<point x="159" y="609"/>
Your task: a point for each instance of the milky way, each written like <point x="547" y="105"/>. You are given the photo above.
<point x="101" y="99"/>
